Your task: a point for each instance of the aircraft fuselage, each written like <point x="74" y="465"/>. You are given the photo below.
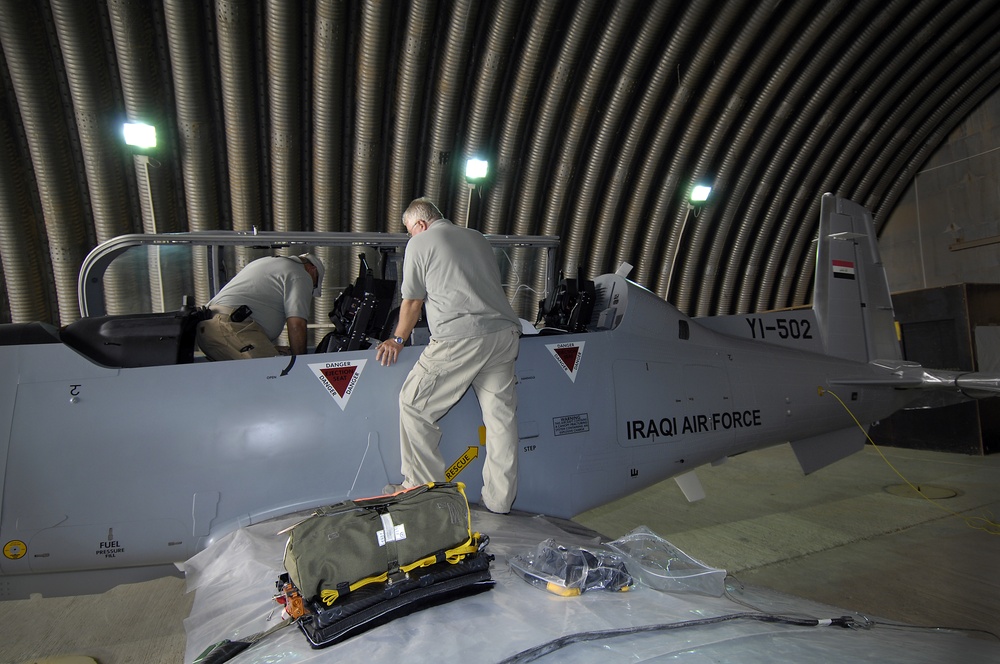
<point x="117" y="467"/>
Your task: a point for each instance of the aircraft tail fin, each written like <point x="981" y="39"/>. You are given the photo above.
<point x="851" y="301"/>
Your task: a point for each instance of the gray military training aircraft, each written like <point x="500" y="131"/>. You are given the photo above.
<point x="122" y="452"/>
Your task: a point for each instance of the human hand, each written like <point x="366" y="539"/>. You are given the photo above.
<point x="387" y="352"/>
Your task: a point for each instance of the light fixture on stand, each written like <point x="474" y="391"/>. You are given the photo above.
<point x="477" y="170"/>
<point x="141" y="139"/>
<point x="697" y="197"/>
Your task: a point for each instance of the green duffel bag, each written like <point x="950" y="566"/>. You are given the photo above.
<point x="349" y="545"/>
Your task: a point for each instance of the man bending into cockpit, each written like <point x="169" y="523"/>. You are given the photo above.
<point x="250" y="311"/>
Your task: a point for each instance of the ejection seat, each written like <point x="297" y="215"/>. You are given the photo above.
<point x="360" y="313"/>
<point x="569" y="307"/>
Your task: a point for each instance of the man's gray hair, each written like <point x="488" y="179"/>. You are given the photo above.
<point x="421" y="208"/>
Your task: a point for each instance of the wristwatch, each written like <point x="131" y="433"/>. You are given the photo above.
<point x="398" y="340"/>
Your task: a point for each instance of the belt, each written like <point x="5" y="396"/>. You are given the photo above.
<point x="220" y="309"/>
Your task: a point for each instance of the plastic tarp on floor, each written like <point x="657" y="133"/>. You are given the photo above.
<point x="234" y="584"/>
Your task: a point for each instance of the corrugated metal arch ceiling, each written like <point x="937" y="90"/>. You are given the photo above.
<point x="599" y="117"/>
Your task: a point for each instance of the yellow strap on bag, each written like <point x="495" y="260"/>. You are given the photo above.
<point x="453" y="556"/>
<point x="347" y="546"/>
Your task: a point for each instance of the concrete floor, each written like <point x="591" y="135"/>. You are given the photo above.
<point x="836" y="537"/>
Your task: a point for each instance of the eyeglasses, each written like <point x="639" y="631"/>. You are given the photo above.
<point x="409" y="228"/>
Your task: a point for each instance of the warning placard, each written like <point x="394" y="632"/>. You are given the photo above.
<point x="339" y="378"/>
<point x="568" y="424"/>
<point x="569" y="356"/>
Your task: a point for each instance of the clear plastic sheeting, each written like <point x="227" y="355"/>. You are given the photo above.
<point x="234" y="583"/>
<point x="569" y="570"/>
<point x="662" y="566"/>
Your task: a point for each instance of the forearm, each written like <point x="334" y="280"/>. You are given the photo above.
<point x="409" y="314"/>
<point x="297" y="335"/>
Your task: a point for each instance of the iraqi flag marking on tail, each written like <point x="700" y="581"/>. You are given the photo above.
<point x="843" y="269"/>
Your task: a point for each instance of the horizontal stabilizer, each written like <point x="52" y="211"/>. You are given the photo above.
<point x="910" y="375"/>
<point x="822" y="450"/>
<point x="691" y="486"/>
<point x="978" y="385"/>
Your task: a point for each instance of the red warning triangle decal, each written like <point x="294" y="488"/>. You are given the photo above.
<point x="339" y="378"/>
<point x="568" y="356"/>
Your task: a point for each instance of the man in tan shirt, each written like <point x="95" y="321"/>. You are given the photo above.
<point x="475" y="336"/>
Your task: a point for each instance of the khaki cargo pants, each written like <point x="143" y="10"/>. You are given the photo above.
<point x="222" y="339"/>
<point x="440" y="377"/>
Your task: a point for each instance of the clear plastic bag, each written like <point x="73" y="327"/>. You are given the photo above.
<point x="657" y="563"/>
<point x="570" y="571"/>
